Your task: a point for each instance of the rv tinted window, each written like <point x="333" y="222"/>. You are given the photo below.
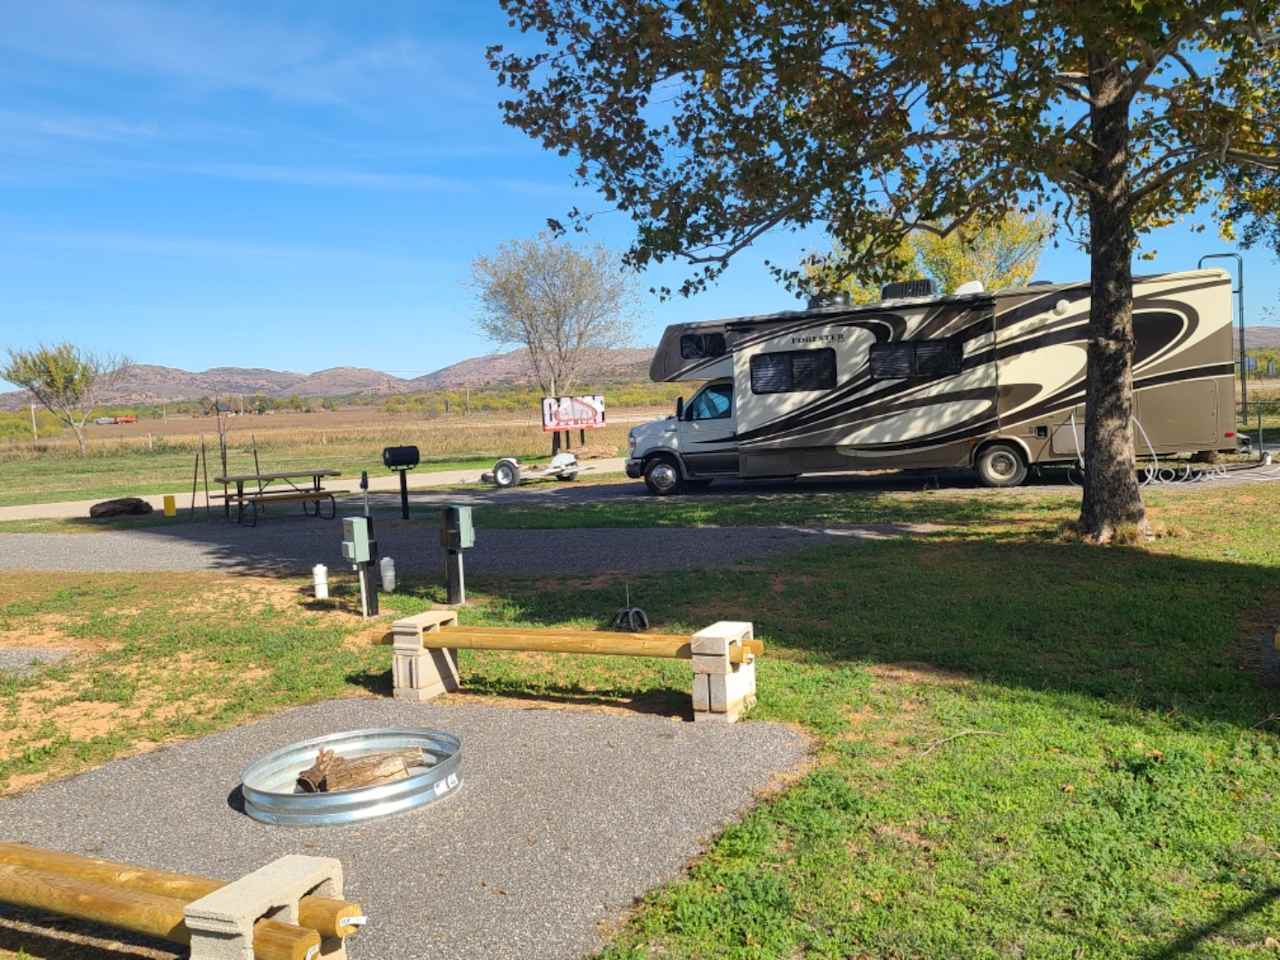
<point x="793" y="370"/>
<point x="696" y="346"/>
<point x="813" y="370"/>
<point x="908" y="359"/>
<point x="938" y="358"/>
<point x="891" y="361"/>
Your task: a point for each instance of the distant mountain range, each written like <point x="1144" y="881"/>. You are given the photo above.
<point x="150" y="383"/>
<point x="1261" y="338"/>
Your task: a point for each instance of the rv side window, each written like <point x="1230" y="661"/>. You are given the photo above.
<point x="696" y="346"/>
<point x="793" y="370"/>
<point x="912" y="359"/>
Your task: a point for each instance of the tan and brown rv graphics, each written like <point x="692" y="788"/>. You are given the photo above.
<point x="1008" y="366"/>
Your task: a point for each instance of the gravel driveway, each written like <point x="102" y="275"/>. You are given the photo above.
<point x="295" y="544"/>
<point x="564" y="818"/>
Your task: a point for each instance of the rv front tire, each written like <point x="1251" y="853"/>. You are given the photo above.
<point x="662" y="476"/>
<point x="1001" y="465"/>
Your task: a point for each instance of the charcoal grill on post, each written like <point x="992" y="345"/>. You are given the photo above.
<point x="402" y="460"/>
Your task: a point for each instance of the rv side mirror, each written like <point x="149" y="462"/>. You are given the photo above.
<point x="679" y="408"/>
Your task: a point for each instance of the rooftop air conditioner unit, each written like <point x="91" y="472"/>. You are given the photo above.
<point x="921" y="287"/>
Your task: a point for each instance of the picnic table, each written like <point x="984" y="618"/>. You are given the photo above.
<point x="309" y="493"/>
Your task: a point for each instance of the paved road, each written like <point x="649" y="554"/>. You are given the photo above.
<point x="379" y="480"/>
<point x="386" y="488"/>
<point x="563" y="820"/>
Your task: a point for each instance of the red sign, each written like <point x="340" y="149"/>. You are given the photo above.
<point x="572" y="413"/>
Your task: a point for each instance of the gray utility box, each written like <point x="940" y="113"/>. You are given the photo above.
<point x="357" y="546"/>
<point x="456" y="530"/>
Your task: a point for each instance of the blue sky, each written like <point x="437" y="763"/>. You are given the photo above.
<point x="300" y="186"/>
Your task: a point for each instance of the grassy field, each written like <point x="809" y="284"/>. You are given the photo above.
<point x="132" y="469"/>
<point x="1025" y="747"/>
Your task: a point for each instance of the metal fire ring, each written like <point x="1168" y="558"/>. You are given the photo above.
<point x="270" y="791"/>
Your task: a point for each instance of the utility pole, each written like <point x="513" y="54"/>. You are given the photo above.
<point x="34" y="433"/>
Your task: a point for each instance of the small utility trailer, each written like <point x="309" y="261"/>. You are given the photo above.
<point x="508" y="472"/>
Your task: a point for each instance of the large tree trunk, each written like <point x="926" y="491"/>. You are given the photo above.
<point x="1111" y="495"/>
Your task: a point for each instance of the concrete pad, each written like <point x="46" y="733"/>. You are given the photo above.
<point x="563" y="819"/>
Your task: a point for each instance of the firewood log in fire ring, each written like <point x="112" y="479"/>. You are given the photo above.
<point x="331" y="773"/>
<point x="352" y="776"/>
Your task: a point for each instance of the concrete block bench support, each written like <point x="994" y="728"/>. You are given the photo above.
<point x="722" y="689"/>
<point x="418" y="672"/>
<point x="222" y="922"/>
<point x="723" y="656"/>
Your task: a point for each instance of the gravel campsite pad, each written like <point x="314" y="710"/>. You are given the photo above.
<point x="24" y="659"/>
<point x="563" y="819"/>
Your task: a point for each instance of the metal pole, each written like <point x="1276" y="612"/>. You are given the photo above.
<point x="368" y="595"/>
<point x="1239" y="292"/>
<point x="404" y="495"/>
<point x="457" y="590"/>
<point x="373" y="555"/>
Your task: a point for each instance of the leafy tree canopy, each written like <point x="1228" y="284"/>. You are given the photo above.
<point x="712" y="122"/>
<point x="1001" y="254"/>
<point x="556" y="302"/>
<point x="66" y="380"/>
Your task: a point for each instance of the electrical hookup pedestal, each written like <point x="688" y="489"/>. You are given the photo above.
<point x="359" y="548"/>
<point x="456" y="534"/>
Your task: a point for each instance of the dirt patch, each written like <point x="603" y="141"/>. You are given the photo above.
<point x="598" y="582"/>
<point x="373" y="635"/>
<point x="914" y="672"/>
<point x="666" y="703"/>
<point x="59" y="705"/>
<point x="899" y="834"/>
<point x="50" y="631"/>
<point x="779" y="582"/>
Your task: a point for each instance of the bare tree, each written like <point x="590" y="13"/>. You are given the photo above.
<point x="556" y="302"/>
<point x="68" y="381"/>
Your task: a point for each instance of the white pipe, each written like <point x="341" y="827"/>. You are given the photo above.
<point x="320" y="576"/>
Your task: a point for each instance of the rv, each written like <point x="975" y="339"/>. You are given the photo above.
<point x="994" y="382"/>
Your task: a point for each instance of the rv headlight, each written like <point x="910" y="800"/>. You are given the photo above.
<point x="631" y="441"/>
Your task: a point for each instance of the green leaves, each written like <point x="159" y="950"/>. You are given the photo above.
<point x="712" y="123"/>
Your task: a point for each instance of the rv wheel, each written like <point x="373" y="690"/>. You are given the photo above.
<point x="1001" y="465"/>
<point x="662" y="477"/>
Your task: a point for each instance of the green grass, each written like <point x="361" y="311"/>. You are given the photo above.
<point x="1024" y="747"/>
<point x="802" y="507"/>
<point x="1110" y="788"/>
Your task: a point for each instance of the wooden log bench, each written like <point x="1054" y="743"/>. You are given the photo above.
<point x="290" y="909"/>
<point x="425" y="656"/>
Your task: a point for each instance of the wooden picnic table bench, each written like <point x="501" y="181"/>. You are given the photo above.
<point x="251" y="501"/>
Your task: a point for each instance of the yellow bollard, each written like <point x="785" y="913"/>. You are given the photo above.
<point x="170" y="506"/>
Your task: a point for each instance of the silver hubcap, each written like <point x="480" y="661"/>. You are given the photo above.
<point x="663" y="476"/>
<point x="504" y="475"/>
<point x="1002" y="465"/>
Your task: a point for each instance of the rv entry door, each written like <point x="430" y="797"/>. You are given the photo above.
<point x="707" y="441"/>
